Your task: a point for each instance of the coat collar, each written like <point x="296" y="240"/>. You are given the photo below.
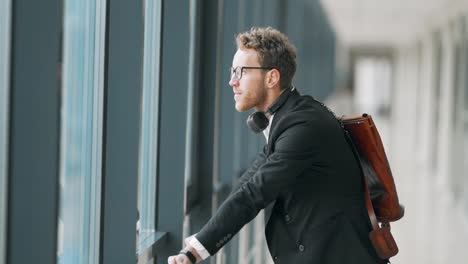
<point x="290" y="102"/>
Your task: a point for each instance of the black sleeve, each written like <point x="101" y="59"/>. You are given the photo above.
<point x="259" y="160"/>
<point x="294" y="151"/>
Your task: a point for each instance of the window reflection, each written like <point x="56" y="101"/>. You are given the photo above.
<point x="81" y="131"/>
<point x="149" y="123"/>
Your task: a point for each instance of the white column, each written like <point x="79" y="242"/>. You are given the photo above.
<point x="427" y="101"/>
<point x="402" y="147"/>
<point x="402" y="150"/>
<point x="445" y="113"/>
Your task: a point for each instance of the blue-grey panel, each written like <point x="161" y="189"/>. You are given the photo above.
<point x="294" y="28"/>
<point x="229" y="115"/>
<point x="172" y="125"/>
<point x="206" y="95"/>
<point x="228" y="112"/>
<point x="308" y="28"/>
<point x="34" y="130"/>
<point x="122" y="124"/>
<point x="272" y="16"/>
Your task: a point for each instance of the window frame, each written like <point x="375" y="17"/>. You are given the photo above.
<point x="5" y="32"/>
<point x="82" y="105"/>
<point x="149" y="113"/>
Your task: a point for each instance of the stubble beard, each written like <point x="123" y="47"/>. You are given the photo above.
<point x="254" y="99"/>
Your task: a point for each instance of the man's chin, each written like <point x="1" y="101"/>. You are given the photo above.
<point x="244" y="108"/>
<point x="240" y="108"/>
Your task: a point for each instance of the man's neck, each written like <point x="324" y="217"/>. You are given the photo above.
<point x="271" y="97"/>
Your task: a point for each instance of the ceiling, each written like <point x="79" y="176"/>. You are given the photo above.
<point x="387" y="22"/>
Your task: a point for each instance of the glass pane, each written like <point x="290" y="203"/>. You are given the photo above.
<point x="464" y="47"/>
<point x="436" y="89"/>
<point x="466" y="67"/>
<point x="5" y="12"/>
<point x="81" y="131"/>
<point x="149" y="123"/>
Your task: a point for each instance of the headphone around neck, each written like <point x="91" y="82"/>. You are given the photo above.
<point x="258" y="121"/>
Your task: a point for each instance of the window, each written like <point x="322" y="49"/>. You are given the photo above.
<point x="81" y="131"/>
<point x="465" y="108"/>
<point x="436" y="90"/>
<point x="149" y="124"/>
<point x="465" y="47"/>
<point x="373" y="84"/>
<point x="5" y="12"/>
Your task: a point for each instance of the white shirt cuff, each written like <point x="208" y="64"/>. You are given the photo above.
<point x="204" y="254"/>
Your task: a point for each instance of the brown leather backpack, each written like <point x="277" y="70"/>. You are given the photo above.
<point x="380" y="191"/>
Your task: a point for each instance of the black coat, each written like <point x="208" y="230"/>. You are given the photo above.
<point x="310" y="183"/>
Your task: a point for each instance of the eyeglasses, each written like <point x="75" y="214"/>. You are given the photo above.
<point x="236" y="73"/>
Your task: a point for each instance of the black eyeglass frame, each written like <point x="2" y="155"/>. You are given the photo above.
<point x="233" y="71"/>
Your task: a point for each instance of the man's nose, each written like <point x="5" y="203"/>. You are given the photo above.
<point x="233" y="82"/>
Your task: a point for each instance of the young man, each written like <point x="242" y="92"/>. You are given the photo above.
<point x="306" y="175"/>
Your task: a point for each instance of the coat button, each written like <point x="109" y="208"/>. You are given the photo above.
<point x="301" y="248"/>
<point x="287" y="218"/>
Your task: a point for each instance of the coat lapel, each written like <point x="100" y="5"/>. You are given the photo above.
<point x="278" y="115"/>
<point x="272" y="136"/>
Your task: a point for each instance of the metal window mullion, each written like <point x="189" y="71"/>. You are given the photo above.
<point x="190" y="135"/>
<point x="144" y="138"/>
<point x="85" y="134"/>
<point x="142" y="170"/>
<point x="5" y="31"/>
<point x="157" y="62"/>
<point x="217" y="102"/>
<point x="148" y="174"/>
<point x="97" y="132"/>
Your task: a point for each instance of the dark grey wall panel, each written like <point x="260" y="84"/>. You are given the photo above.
<point x="122" y="126"/>
<point x="172" y="124"/>
<point x="308" y="27"/>
<point x="272" y="13"/>
<point x="228" y="112"/>
<point x="295" y="29"/>
<point x="210" y="111"/>
<point x="34" y="132"/>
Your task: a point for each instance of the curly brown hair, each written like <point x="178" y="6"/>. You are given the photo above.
<point x="273" y="49"/>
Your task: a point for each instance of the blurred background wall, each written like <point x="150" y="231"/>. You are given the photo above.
<point x="118" y="135"/>
<point x="409" y="68"/>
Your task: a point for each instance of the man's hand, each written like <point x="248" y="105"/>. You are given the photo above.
<point x="182" y="259"/>
<point x="178" y="259"/>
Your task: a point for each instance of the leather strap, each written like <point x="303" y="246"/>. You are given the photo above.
<point x="370" y="209"/>
<point x="380" y="237"/>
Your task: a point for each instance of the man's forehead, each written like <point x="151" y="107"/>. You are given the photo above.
<point x="245" y="57"/>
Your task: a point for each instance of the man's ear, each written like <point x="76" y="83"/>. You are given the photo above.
<point x="272" y="79"/>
